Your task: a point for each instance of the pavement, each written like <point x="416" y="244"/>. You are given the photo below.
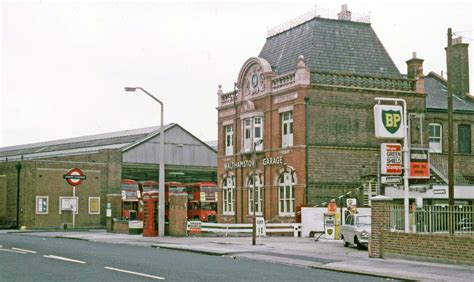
<point x="302" y="252"/>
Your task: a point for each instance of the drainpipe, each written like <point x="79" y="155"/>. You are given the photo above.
<point x="306" y="101"/>
<point x="18" y="170"/>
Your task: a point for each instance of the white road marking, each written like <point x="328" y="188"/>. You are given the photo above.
<point x="23" y="250"/>
<point x="64" y="259"/>
<point x="12" y="251"/>
<point x="136" y="273"/>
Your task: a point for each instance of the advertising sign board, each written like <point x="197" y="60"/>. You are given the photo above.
<point x="391" y="158"/>
<point x="419" y="164"/>
<point x="388" y="121"/>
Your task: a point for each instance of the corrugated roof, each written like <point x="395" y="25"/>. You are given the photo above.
<point x="437" y="95"/>
<point x="328" y="45"/>
<point x="80" y="145"/>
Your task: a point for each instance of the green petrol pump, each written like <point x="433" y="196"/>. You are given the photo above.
<point x="332" y="222"/>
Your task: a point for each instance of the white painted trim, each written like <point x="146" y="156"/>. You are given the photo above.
<point x="228" y="122"/>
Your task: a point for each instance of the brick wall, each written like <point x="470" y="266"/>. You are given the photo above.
<point x="430" y="247"/>
<point x="342" y="148"/>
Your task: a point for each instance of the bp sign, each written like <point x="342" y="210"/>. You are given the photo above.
<point x="74" y="177"/>
<point x="388" y="121"/>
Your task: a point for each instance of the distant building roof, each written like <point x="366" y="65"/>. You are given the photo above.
<point x="437" y="96"/>
<point x="81" y="145"/>
<point x="328" y="45"/>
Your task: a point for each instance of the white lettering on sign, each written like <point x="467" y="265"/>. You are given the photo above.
<point x="273" y="161"/>
<point x="239" y="164"/>
<point x="391" y="158"/>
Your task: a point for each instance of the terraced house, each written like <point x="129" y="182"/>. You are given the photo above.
<point x="298" y="126"/>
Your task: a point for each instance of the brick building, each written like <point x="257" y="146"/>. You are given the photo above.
<point x="32" y="187"/>
<point x="299" y="124"/>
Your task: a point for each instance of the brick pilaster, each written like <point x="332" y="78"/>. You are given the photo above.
<point x="178" y="211"/>
<point x="380" y="221"/>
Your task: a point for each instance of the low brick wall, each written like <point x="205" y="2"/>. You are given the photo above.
<point x="120" y="226"/>
<point x="456" y="248"/>
<point x="430" y="247"/>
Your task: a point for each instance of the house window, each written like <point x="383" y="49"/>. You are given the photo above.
<point x="247" y="135"/>
<point x="42" y="204"/>
<point x="229" y="140"/>
<point x="258" y="133"/>
<point x="287" y="130"/>
<point x="255" y="182"/>
<point x="435" y="131"/>
<point x="228" y="190"/>
<point x="286" y="194"/>
<point x="94" y="205"/>
<point x="464" y="139"/>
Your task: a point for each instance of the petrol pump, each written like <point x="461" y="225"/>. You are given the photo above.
<point x="332" y="221"/>
<point x="150" y="210"/>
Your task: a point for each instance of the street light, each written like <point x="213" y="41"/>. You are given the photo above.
<point x="161" y="199"/>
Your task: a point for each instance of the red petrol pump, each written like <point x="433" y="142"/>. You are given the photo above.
<point x="150" y="210"/>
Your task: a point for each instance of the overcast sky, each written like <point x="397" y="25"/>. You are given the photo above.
<point x="65" y="63"/>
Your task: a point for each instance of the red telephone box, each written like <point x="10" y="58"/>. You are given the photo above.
<point x="150" y="209"/>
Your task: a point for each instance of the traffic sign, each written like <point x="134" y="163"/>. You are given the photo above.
<point x="74" y="177"/>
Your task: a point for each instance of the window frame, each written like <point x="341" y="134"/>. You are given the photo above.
<point x="247" y="135"/>
<point x="228" y="195"/>
<point x="37" y="204"/>
<point x="229" y="140"/>
<point x="438" y="138"/>
<point x="258" y="124"/>
<point x="283" y="200"/>
<point x="468" y="139"/>
<point x="287" y="125"/>
<point x="250" y="186"/>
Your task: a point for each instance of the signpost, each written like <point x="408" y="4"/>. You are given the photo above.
<point x="74" y="177"/>
<point x="391" y="123"/>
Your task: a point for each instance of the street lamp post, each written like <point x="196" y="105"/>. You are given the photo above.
<point x="161" y="199"/>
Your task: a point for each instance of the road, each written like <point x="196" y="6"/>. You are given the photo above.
<point x="28" y="258"/>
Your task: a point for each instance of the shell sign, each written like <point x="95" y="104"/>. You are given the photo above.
<point x="389" y="122"/>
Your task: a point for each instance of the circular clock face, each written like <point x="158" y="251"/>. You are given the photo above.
<point x="254" y="80"/>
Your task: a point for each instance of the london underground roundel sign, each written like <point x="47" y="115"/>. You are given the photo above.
<point x="74" y="176"/>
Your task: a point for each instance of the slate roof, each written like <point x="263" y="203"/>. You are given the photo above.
<point x="81" y="145"/>
<point x="437" y="96"/>
<point x="329" y="45"/>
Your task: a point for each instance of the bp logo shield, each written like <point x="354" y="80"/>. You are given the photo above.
<point x="388" y="121"/>
<point x="391" y="120"/>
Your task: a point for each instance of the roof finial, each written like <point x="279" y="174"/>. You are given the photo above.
<point x="301" y="63"/>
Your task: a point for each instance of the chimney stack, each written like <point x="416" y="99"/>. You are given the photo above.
<point x="345" y="14"/>
<point x="460" y="68"/>
<point x="415" y="72"/>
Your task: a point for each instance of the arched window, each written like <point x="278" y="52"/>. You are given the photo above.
<point x="286" y="194"/>
<point x="228" y="192"/>
<point x="255" y="181"/>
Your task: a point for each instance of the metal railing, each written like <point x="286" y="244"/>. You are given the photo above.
<point x="226" y="228"/>
<point x="434" y="219"/>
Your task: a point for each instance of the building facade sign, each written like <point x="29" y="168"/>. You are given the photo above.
<point x="239" y="164"/>
<point x="273" y="161"/>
